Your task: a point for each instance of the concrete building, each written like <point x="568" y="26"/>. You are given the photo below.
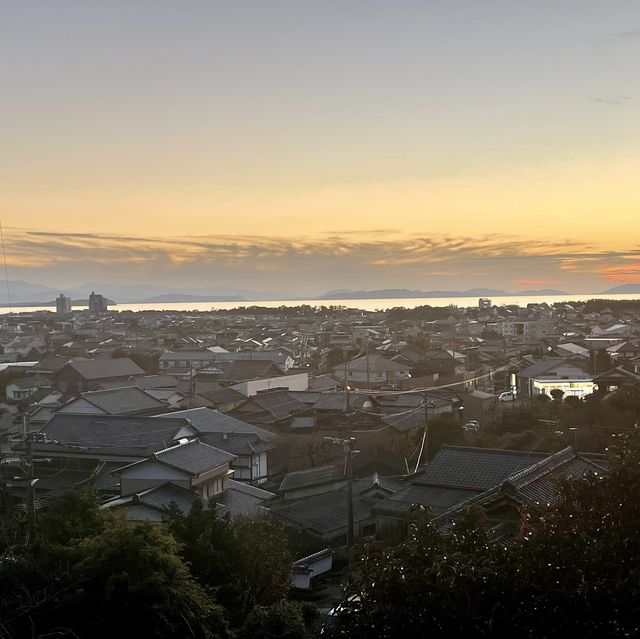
<point x="63" y="304"/>
<point x="97" y="303"/>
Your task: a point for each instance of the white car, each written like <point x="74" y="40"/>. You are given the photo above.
<point x="507" y="396"/>
<point x="472" y="425"/>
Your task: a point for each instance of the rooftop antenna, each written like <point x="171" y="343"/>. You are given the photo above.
<point x="6" y="277"/>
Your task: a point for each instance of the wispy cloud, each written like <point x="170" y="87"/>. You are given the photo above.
<point x="352" y="259"/>
<point x="611" y="99"/>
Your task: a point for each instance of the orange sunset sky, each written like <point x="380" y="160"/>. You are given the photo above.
<point x="306" y="146"/>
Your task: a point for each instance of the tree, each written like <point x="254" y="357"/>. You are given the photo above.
<point x="573" y="569"/>
<point x="557" y="394"/>
<point x="283" y="620"/>
<point x="91" y="574"/>
<point x="245" y="562"/>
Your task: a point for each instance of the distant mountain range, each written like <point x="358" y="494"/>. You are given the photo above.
<point x="26" y="294"/>
<point x="30" y="294"/>
<point x="624" y="289"/>
<point x="391" y="293"/>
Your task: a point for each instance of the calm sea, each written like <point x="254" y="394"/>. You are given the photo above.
<point x="364" y="304"/>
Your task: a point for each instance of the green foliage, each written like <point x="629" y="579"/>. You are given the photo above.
<point x="230" y="558"/>
<point x="573" y="570"/>
<point x="282" y="620"/>
<point x="94" y="575"/>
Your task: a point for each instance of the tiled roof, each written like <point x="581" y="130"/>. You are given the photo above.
<point x="436" y="498"/>
<point x="312" y="477"/>
<point x="237" y="443"/>
<point x="243" y="499"/>
<point x="206" y="420"/>
<point x="194" y="457"/>
<point x="324" y="513"/>
<point x="474" y="468"/>
<point x="158" y="498"/>
<point x="104" y="368"/>
<point x="127" y="399"/>
<point x="114" y="434"/>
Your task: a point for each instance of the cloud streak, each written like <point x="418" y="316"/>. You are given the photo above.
<point x="346" y="258"/>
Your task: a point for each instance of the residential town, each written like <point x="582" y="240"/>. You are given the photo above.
<point x="337" y="422"/>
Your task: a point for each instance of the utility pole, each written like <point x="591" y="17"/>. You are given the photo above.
<point x="28" y="470"/>
<point x="367" y="346"/>
<point x="424" y="447"/>
<point x="350" y="445"/>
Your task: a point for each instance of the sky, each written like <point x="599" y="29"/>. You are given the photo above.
<point x="303" y="146"/>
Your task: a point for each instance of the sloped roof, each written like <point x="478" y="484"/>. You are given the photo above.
<point x="238" y="443"/>
<point x="92" y="369"/>
<point x="243" y="499"/>
<point x="126" y="399"/>
<point x="194" y="457"/>
<point x="376" y="364"/>
<point x="206" y="420"/>
<point x="537" y="483"/>
<point x="114" y="434"/>
<point x="246" y="369"/>
<point x="308" y="477"/>
<point x="474" y="468"/>
<point x="158" y="498"/>
<point x="323" y="514"/>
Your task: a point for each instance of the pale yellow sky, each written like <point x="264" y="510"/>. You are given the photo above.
<point x="324" y="123"/>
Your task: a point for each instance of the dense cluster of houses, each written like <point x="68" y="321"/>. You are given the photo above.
<point x="244" y="408"/>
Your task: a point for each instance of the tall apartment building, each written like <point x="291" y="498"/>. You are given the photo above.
<point x="63" y="304"/>
<point x="97" y="303"/>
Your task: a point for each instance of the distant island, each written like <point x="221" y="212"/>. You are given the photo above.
<point x="52" y="303"/>
<point x="391" y="293"/>
<point x="632" y="288"/>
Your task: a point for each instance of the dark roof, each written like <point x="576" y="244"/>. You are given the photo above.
<point x="242" y="499"/>
<point x="474" y="468"/>
<point x="376" y="364"/>
<point x="246" y="369"/>
<point x="237" y="443"/>
<point x="536" y="483"/>
<point x="274" y="405"/>
<point x="223" y="396"/>
<point x="194" y="457"/>
<point x="437" y="499"/>
<point x="308" y="477"/>
<point x="206" y="420"/>
<point x="323" y="514"/>
<point x="158" y="498"/>
<point x="114" y="434"/>
<point x="93" y="369"/>
<point x="123" y="400"/>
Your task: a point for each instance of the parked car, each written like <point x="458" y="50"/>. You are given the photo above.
<point x="472" y="425"/>
<point x="507" y="396"/>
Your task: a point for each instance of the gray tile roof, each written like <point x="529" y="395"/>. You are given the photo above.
<point x="308" y="477"/>
<point x="114" y="434"/>
<point x="158" y="498"/>
<point x="206" y="420"/>
<point x="237" y="443"/>
<point x="474" y="468"/>
<point x="123" y="400"/>
<point x="243" y="499"/>
<point x="92" y="369"/>
<point x="194" y="457"/>
<point x="437" y="499"/>
<point x="323" y="514"/>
